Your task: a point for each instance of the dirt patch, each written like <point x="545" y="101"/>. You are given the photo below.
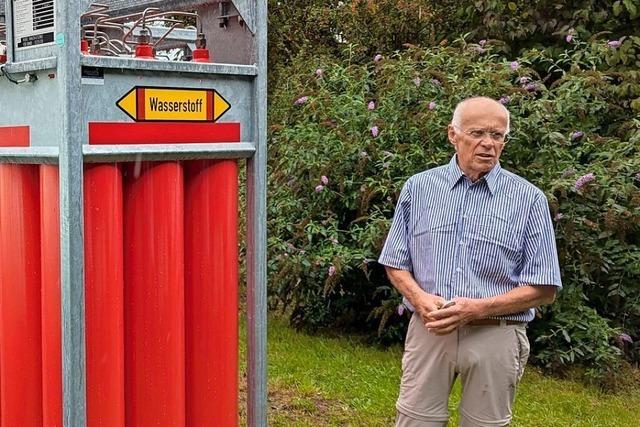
<point x="291" y="407"/>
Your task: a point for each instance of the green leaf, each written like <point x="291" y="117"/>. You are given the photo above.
<point x="617" y="8"/>
<point x="631" y="7"/>
<point x="566" y="335"/>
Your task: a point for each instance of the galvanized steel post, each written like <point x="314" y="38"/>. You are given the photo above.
<point x="257" y="237"/>
<point x="71" y="214"/>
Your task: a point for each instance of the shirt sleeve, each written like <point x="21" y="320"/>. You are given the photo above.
<point x="540" y="264"/>
<point x="395" y="252"/>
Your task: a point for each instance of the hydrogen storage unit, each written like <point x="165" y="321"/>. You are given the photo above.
<point x="123" y="125"/>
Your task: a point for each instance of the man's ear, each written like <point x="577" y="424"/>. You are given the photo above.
<point x="451" y="133"/>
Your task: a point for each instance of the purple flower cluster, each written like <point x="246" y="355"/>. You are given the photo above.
<point x="331" y="271"/>
<point x="417" y="81"/>
<point x="377" y="58"/>
<point x="401" y="309"/>
<point x="569" y="38"/>
<point x="625" y="338"/>
<point x="515" y="65"/>
<point x="436" y="82"/>
<point x="324" y="181"/>
<point x="319" y="73"/>
<point x="528" y="84"/>
<point x="504" y="100"/>
<point x="375" y="131"/>
<point x="558" y="216"/>
<point x="371" y="105"/>
<point x="301" y="100"/>
<point x="584" y="180"/>
<point x="577" y="135"/>
<point x="614" y="43"/>
<point x="432" y="105"/>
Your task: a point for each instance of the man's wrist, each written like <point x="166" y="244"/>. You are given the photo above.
<point x="486" y="307"/>
<point x="415" y="295"/>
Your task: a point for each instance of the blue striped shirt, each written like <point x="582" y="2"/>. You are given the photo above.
<point x="473" y="240"/>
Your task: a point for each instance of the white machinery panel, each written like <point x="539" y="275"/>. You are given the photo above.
<point x="34" y="23"/>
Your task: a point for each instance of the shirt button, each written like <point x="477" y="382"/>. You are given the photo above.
<point x="458" y="269"/>
<point x="461" y="242"/>
<point x="465" y="216"/>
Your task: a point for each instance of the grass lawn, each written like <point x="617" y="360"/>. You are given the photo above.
<point x="321" y="381"/>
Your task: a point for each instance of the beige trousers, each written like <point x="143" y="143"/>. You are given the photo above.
<point x="490" y="361"/>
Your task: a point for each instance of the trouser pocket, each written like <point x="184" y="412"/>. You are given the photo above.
<point x="523" y="350"/>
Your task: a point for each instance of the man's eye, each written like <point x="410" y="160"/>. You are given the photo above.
<point x="497" y="136"/>
<point x="477" y="133"/>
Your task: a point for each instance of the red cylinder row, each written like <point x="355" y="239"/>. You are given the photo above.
<point x="161" y="274"/>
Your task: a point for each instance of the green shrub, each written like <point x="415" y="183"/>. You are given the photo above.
<point x="383" y="26"/>
<point x="337" y="166"/>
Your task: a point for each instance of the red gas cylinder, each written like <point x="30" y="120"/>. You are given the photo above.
<point x="154" y="294"/>
<point x="84" y="46"/>
<point x="211" y="292"/>
<point x="51" y="310"/>
<point x="104" y="295"/>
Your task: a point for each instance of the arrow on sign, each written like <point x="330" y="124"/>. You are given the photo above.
<point x="158" y="104"/>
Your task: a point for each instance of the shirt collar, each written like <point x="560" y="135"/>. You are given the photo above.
<point x="455" y="173"/>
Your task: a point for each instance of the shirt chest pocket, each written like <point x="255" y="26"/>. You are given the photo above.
<point x="495" y="244"/>
<point x="432" y="226"/>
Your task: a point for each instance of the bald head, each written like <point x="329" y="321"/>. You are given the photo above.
<point x="467" y="110"/>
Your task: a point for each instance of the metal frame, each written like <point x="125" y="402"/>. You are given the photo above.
<point x="257" y="236"/>
<point x="72" y="218"/>
<point x="71" y="153"/>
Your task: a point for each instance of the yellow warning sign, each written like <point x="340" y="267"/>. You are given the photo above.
<point x="154" y="104"/>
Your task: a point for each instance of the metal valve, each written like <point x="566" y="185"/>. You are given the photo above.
<point x="145" y="36"/>
<point x="201" y="53"/>
<point x="144" y="49"/>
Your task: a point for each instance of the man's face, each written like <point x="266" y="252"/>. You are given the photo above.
<point x="477" y="139"/>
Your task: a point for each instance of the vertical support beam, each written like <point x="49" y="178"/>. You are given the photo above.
<point x="257" y="235"/>
<point x="71" y="214"/>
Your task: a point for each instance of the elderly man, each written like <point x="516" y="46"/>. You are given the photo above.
<point x="472" y="250"/>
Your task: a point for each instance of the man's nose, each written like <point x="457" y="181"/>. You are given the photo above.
<point x="485" y="139"/>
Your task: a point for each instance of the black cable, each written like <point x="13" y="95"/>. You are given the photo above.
<point x="7" y="75"/>
<point x="29" y="77"/>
